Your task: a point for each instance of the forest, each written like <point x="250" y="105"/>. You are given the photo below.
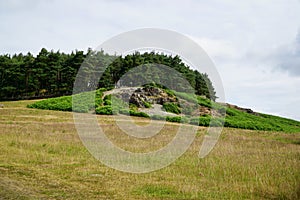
<point x="52" y="73"/>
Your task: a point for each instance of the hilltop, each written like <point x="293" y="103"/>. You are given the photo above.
<point x="53" y="74"/>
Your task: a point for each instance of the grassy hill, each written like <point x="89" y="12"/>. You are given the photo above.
<point x="235" y="117"/>
<point x="42" y="157"/>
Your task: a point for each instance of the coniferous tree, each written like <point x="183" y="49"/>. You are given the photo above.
<point x="53" y="73"/>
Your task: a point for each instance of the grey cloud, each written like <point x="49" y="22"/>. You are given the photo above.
<point x="287" y="58"/>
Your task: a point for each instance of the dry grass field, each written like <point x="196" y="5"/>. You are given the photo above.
<point x="42" y="157"/>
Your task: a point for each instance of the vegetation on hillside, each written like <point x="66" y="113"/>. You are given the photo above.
<point x="234" y="118"/>
<point x="53" y="73"/>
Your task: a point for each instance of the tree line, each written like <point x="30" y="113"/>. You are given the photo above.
<point x="52" y="73"/>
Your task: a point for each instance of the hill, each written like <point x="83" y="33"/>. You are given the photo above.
<point x="164" y="104"/>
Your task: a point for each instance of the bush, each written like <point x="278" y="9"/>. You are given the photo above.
<point x="104" y="110"/>
<point x="107" y="100"/>
<point x="138" y="114"/>
<point x="133" y="107"/>
<point x="204" y="121"/>
<point x="172" y="108"/>
<point x="147" y="104"/>
<point x="173" y="119"/>
<point x="204" y="102"/>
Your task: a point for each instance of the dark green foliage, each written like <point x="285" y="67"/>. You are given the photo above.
<point x="177" y="119"/>
<point x="172" y="108"/>
<point x="107" y="100"/>
<point x="138" y="114"/>
<point x="173" y="119"/>
<point x="46" y="75"/>
<point x="108" y="110"/>
<point x="200" y="82"/>
<point x="98" y="97"/>
<point x="104" y="110"/>
<point x="52" y="73"/>
<point x="133" y="113"/>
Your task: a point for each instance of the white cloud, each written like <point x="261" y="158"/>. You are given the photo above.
<point x="217" y="48"/>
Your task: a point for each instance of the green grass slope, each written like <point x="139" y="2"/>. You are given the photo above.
<point x="235" y="118"/>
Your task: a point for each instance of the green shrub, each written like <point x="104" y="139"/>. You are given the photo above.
<point x="107" y="100"/>
<point x="138" y="114"/>
<point x="104" y="110"/>
<point x="204" y="121"/>
<point x="172" y="108"/>
<point x="204" y="102"/>
<point x="173" y="119"/>
<point x="133" y="107"/>
<point x="147" y="104"/>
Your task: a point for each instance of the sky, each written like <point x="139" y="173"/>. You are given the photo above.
<point x="254" y="44"/>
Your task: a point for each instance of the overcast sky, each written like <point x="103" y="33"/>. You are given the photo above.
<point x="254" y="44"/>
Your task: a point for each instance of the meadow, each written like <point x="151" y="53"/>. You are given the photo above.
<point x="42" y="157"/>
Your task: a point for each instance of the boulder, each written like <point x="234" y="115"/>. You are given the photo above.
<point x="150" y="95"/>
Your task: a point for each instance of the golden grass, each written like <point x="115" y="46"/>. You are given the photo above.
<point x="42" y="157"/>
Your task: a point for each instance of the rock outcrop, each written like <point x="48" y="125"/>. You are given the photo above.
<point x="150" y="95"/>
